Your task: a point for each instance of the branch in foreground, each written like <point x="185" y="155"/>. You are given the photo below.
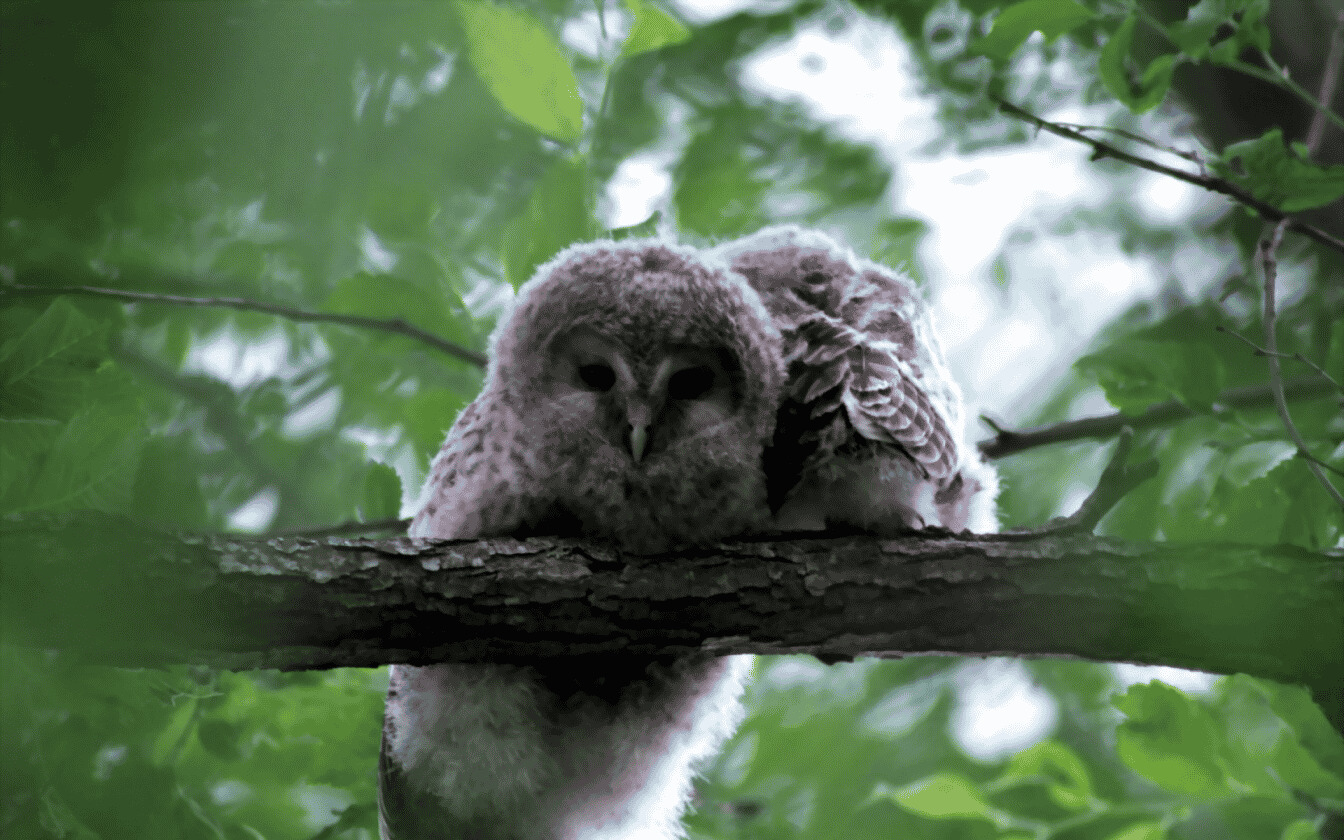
<point x="1209" y="182"/>
<point x="397" y="326"/>
<point x="109" y="589"/>
<point x="1012" y="441"/>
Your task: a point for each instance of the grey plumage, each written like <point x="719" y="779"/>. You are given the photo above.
<point x="630" y="395"/>
<point x="870" y="427"/>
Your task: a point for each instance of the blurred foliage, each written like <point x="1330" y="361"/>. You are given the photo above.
<point x="414" y="160"/>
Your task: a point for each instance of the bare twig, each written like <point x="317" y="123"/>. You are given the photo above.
<point x="1267" y="252"/>
<point x="1116" y="480"/>
<point x="1213" y="184"/>
<point x="1010" y="442"/>
<point x="1329" y="82"/>
<point x="390" y="325"/>
<point x="1260" y="351"/>
<point x="1193" y="157"/>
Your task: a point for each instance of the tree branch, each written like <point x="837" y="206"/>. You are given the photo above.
<point x="1267" y="250"/>
<point x="1209" y="182"/>
<point x="397" y="326"/>
<point x="107" y="588"/>
<point x="1257" y="350"/>
<point x="1115" y="482"/>
<point x="1011" y="441"/>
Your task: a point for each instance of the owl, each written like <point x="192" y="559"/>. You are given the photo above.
<point x="630" y="396"/>
<point x="869" y="431"/>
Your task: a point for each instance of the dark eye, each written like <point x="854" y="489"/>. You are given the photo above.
<point x="689" y="383"/>
<point x="597" y="377"/>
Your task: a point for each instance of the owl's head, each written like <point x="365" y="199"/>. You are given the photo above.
<point x="647" y="372"/>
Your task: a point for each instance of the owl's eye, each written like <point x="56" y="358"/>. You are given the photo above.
<point x="597" y="377"/>
<point x="689" y="383"/>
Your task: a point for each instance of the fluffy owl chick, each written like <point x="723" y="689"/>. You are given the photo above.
<point x="630" y="396"/>
<point x="870" y="429"/>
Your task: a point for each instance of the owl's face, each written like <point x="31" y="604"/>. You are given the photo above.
<point x="641" y="402"/>
<point x="648" y="381"/>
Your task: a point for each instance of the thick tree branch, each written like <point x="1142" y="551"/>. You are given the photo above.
<point x="397" y="326"/>
<point x="1011" y="441"/>
<point x="109" y="589"/>
<point x="1209" y="182"/>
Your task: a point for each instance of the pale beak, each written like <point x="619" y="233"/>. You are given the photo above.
<point x="639" y="438"/>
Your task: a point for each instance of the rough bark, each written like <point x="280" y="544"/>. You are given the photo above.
<point x="111" y="590"/>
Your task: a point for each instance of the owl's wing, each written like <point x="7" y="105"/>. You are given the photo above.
<point x="870" y="411"/>
<point x="859" y="348"/>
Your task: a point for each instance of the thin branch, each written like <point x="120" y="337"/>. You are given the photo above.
<point x="390" y="325"/>
<point x="1116" y="480"/>
<point x="1260" y="351"/>
<point x="1193" y="157"/>
<point x="1267" y="251"/>
<point x="1329" y="83"/>
<point x="1320" y="104"/>
<point x="1213" y="184"/>
<point x="1276" y="76"/>
<point x="1268" y="248"/>
<point x="1010" y="442"/>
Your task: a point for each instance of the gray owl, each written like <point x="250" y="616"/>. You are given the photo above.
<point x="870" y="428"/>
<point x="630" y="396"/>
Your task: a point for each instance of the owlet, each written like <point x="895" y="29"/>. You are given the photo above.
<point x="870" y="428"/>
<point x="630" y="395"/>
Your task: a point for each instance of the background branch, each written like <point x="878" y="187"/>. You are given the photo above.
<point x="1209" y="182"/>
<point x="1011" y="441"/>
<point x="1267" y="250"/>
<point x="397" y="326"/>
<point x="108" y="588"/>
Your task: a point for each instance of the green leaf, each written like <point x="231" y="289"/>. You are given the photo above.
<point x="381" y="498"/>
<point x="71" y="424"/>
<point x="1138" y="91"/>
<point x="1311" y="728"/>
<point x="653" y="29"/>
<point x="1261" y="738"/>
<point x="1235" y="24"/>
<point x="43" y="369"/>
<point x="941" y="796"/>
<point x="1140" y="831"/>
<point x="518" y="60"/>
<point x="1137" y="372"/>
<point x="557" y="215"/>
<point x="1015" y="24"/>
<point x="1170" y="739"/>
<point x="1255" y="460"/>
<point x="1067" y="781"/>
<point x="718" y="191"/>
<point x="1277" y="175"/>
<point x="220" y="738"/>
<point x="1301" y="830"/>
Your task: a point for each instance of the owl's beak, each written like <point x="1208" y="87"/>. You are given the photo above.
<point x="638" y="414"/>
<point x="639" y="438"/>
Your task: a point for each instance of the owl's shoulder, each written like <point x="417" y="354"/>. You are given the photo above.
<point x="485" y="480"/>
